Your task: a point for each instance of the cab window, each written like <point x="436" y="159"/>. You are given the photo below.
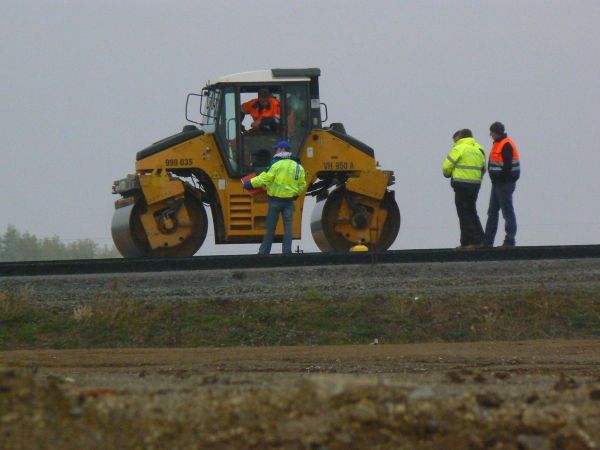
<point x="227" y="130"/>
<point x="261" y="126"/>
<point x="296" y="117"/>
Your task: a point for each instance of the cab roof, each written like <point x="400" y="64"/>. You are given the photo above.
<point x="269" y="76"/>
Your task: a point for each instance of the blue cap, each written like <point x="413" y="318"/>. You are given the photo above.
<point x="282" y="144"/>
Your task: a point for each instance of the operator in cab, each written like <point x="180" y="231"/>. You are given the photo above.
<point x="265" y="111"/>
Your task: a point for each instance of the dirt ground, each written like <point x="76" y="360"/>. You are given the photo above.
<point x="491" y="395"/>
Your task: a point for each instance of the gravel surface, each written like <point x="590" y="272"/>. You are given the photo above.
<point x="425" y="280"/>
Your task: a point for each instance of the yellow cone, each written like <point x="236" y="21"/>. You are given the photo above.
<point x="359" y="248"/>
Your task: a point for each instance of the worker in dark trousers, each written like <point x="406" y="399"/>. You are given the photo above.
<point x="465" y="165"/>
<point x="505" y="169"/>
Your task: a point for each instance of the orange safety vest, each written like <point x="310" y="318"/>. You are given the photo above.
<point x="254" y="108"/>
<point x="496" y="162"/>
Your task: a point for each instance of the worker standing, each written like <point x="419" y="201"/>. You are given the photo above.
<point x="284" y="181"/>
<point x="465" y="165"/>
<point x="505" y="169"/>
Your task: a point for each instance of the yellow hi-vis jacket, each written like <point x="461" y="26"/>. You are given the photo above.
<point x="465" y="163"/>
<point x="285" y="177"/>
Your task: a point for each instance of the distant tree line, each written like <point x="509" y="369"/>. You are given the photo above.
<point x="17" y="246"/>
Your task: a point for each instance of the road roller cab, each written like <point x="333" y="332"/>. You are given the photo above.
<point x="161" y="211"/>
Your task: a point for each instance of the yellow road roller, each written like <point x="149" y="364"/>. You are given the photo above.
<point x="161" y="211"/>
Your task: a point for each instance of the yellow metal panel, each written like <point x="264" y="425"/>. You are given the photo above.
<point x="324" y="152"/>
<point x="370" y="234"/>
<point x="156" y="237"/>
<point x="372" y="183"/>
<point x="157" y="186"/>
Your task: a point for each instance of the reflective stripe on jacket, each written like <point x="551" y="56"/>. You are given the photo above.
<point x="501" y="170"/>
<point x="285" y="178"/>
<point x="466" y="162"/>
<point x="257" y="111"/>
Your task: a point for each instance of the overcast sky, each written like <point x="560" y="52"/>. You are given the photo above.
<point x="87" y="84"/>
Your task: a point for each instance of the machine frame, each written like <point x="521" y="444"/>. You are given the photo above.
<point x="177" y="175"/>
